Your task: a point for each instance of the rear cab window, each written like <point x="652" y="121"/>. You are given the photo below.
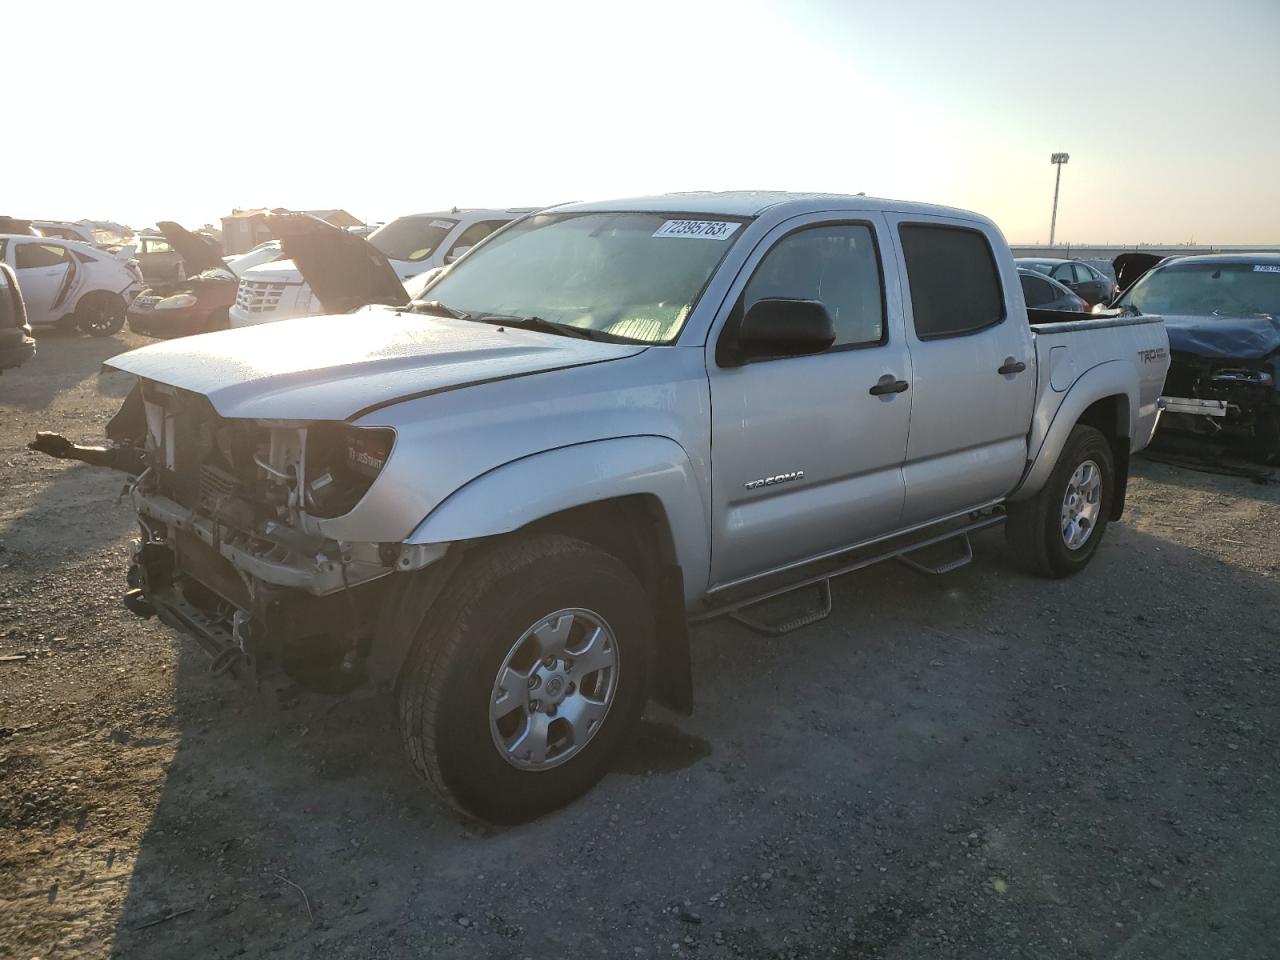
<point x="953" y="278"/>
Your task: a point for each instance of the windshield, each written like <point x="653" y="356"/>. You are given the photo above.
<point x="635" y="276"/>
<point x="1202" y="289"/>
<point x="412" y="238"/>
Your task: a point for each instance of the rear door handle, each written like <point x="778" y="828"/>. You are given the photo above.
<point x="888" y="384"/>
<point x="1012" y="366"/>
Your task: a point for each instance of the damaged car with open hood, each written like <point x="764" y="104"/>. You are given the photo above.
<point x="198" y="302"/>
<point x="1222" y="313"/>
<point x="504" y="503"/>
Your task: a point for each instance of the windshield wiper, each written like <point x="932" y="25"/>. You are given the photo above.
<point x="439" y="309"/>
<point x="537" y="323"/>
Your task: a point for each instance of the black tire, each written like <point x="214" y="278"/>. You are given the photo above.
<point x="101" y="314"/>
<point x="447" y="684"/>
<point x="1034" y="530"/>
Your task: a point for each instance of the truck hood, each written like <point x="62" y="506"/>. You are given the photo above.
<point x="341" y="367"/>
<point x="1223" y="337"/>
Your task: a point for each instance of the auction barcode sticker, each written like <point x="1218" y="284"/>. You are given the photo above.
<point x="1266" y="268"/>
<point x="698" y="229"/>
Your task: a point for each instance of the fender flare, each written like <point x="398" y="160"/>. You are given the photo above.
<point x="519" y="492"/>
<point x="1109" y="379"/>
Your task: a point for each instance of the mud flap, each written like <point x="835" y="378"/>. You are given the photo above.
<point x="1120" y="454"/>
<point x="402" y="612"/>
<point x="673" y="687"/>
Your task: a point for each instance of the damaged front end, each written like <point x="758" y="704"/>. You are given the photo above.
<point x="1234" y="399"/>
<point x="231" y="548"/>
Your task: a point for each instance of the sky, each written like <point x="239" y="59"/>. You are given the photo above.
<point x="141" y="111"/>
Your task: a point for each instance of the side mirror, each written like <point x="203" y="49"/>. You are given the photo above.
<point x="457" y="252"/>
<point x="784" y="328"/>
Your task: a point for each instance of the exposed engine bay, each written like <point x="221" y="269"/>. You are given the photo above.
<point x="230" y="512"/>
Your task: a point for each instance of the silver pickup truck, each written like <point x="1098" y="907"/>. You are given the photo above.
<point x="506" y="502"/>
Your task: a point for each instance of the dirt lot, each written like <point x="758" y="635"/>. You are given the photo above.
<point x="979" y="765"/>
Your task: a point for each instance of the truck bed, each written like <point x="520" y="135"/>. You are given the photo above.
<point x="1070" y="345"/>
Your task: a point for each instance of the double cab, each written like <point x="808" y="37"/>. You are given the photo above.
<point x="506" y="501"/>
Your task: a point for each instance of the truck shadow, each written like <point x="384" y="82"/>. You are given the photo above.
<point x="976" y="707"/>
<point x="69" y="503"/>
<point x="61" y="362"/>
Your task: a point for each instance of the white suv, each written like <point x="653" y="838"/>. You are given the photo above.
<point x="413" y="244"/>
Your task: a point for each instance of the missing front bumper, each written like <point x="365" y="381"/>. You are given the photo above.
<point x="1195" y="406"/>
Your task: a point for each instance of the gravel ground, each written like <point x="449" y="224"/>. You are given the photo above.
<point x="978" y="765"/>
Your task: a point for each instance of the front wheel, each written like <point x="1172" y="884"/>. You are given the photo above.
<point x="1057" y="532"/>
<point x="527" y="677"/>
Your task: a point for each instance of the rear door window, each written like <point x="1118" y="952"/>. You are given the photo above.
<point x="1036" y="291"/>
<point x="955" y="286"/>
<point x="35" y="255"/>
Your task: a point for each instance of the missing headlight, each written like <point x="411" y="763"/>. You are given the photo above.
<point x="342" y="463"/>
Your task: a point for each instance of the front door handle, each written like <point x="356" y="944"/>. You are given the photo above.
<point x="1012" y="366"/>
<point x="888" y="384"/>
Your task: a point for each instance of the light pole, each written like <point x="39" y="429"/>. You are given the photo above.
<point x="1057" y="159"/>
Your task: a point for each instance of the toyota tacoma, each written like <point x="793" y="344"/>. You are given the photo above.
<point x="505" y="502"/>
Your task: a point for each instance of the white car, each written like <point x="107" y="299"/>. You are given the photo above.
<point x="69" y="284"/>
<point x="413" y="245"/>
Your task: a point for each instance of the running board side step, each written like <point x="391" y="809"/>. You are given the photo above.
<point x="965" y="558"/>
<point x="735" y="609"/>
<point x="821" y="612"/>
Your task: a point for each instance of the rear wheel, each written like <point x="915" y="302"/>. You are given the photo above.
<point x="101" y="314"/>
<point x="527" y="677"/>
<point x="1057" y="532"/>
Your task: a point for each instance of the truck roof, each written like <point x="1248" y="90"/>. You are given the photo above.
<point x="751" y="203"/>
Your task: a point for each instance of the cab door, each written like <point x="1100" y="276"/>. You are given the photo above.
<point x="44" y="271"/>
<point x="973" y="360"/>
<point x="807" y="451"/>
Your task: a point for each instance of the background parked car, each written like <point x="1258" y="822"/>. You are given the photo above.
<point x="262" y="253"/>
<point x="197" y="303"/>
<point x="1087" y="282"/>
<point x="1222" y="313"/>
<point x="413" y="245"/>
<point x="71" y="285"/>
<point x="62" y="230"/>
<point x="16" y="343"/>
<point x="158" y="260"/>
<point x="1044" y="293"/>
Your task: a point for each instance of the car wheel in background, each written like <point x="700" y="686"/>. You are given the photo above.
<point x="1056" y="532"/>
<point x="527" y="677"/>
<point x="101" y="314"/>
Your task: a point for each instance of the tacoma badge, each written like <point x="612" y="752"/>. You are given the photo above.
<point x="770" y="481"/>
